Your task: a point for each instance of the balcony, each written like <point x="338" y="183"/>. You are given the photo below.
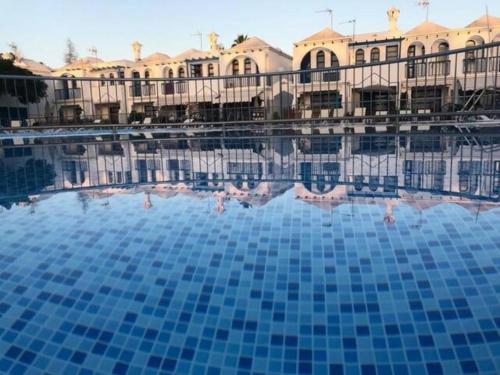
<point x="428" y="69"/>
<point x="439" y="68"/>
<point x="235" y="82"/>
<point x="144" y="90"/>
<point x="416" y="69"/>
<point x="68" y="94"/>
<point x="171" y="88"/>
<point x="475" y="65"/>
<point x="494" y="64"/>
<point x="318" y="77"/>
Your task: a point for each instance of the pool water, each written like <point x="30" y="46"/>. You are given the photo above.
<point x="97" y="284"/>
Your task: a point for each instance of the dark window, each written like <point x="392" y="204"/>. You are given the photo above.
<point x="211" y="70"/>
<point x="182" y="72"/>
<point x="391" y="52"/>
<point x="470" y="54"/>
<point x="197" y="70"/>
<point x="103" y="82"/>
<point x="360" y="57"/>
<point x="375" y="55"/>
<point x="112" y="79"/>
<point x="411" y="51"/>
<point x="334" y="61"/>
<point x="443" y="47"/>
<point x="170" y="73"/>
<point x="236" y="67"/>
<point x="121" y="74"/>
<point x="248" y="66"/>
<point x="320" y="60"/>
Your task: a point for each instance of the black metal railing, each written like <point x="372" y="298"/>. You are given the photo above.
<point x="439" y="87"/>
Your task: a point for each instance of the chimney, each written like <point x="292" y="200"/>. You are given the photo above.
<point x="393" y="15"/>
<point x="213" y="39"/>
<point x="136" y="49"/>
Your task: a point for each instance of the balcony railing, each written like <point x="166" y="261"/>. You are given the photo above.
<point x="144" y="90"/>
<point x="416" y="69"/>
<point x="428" y="69"/>
<point x="475" y="65"/>
<point x="68" y="94"/>
<point x="235" y="82"/>
<point x="439" y="68"/>
<point x="494" y="64"/>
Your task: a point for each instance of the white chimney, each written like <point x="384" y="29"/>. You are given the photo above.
<point x="136" y="49"/>
<point x="393" y="15"/>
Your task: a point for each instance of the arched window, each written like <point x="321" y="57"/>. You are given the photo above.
<point x="136" y="85"/>
<point x="103" y="82"/>
<point x="211" y="70"/>
<point x="334" y="61"/>
<point x="236" y="67"/>
<point x="375" y="55"/>
<point x="112" y="79"/>
<point x="121" y="74"/>
<point x="170" y="73"/>
<point x="182" y="72"/>
<point x="360" y="57"/>
<point x="305" y="64"/>
<point x="320" y="60"/>
<point x="443" y="47"/>
<point x="248" y="66"/>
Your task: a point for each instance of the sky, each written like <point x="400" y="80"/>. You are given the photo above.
<point x="40" y="28"/>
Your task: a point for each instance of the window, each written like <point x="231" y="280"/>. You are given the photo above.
<point x="103" y="82"/>
<point x="211" y="70"/>
<point x="375" y="55"/>
<point x="247" y="66"/>
<point x="236" y="67"/>
<point x="443" y="47"/>
<point x="182" y="72"/>
<point x="121" y="74"/>
<point x="197" y="70"/>
<point x="320" y="60"/>
<point x="147" y="74"/>
<point x="391" y="52"/>
<point x="411" y="51"/>
<point x="170" y="73"/>
<point x="112" y="79"/>
<point x="471" y="54"/>
<point x="334" y="61"/>
<point x="360" y="57"/>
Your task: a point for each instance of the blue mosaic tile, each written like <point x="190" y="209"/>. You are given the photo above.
<point x="284" y="288"/>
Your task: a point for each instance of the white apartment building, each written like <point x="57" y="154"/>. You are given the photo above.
<point x="374" y="88"/>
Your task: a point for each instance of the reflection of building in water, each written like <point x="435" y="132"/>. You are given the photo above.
<point x="365" y="164"/>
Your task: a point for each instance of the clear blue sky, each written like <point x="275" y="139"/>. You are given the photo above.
<point x="40" y="28"/>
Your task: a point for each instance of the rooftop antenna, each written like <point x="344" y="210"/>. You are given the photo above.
<point x="330" y="12"/>
<point x="488" y="23"/>
<point x="199" y="34"/>
<point x="353" y="22"/>
<point x="425" y="4"/>
<point x="93" y="52"/>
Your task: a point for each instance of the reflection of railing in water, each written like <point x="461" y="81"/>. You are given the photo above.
<point x="369" y="164"/>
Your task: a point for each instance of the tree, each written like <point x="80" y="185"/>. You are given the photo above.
<point x="239" y="39"/>
<point x="70" y="56"/>
<point x="25" y="90"/>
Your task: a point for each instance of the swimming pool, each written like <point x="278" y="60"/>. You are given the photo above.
<point x="142" y="281"/>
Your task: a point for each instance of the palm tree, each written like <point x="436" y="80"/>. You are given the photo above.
<point x="239" y="39"/>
